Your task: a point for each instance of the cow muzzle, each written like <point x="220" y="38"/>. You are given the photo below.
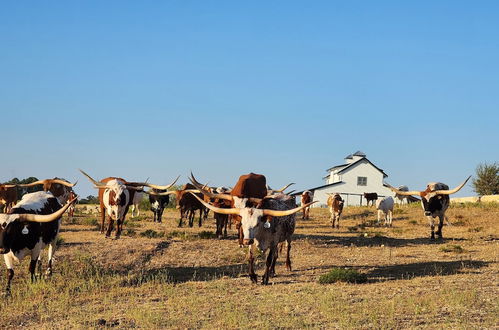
<point x="427" y="213"/>
<point x="3" y="251"/>
<point x="248" y="241"/>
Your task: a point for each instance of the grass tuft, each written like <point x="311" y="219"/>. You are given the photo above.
<point x="343" y="275"/>
<point x="452" y="248"/>
<point x="150" y="233"/>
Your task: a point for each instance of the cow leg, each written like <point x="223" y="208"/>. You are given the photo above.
<point x="190" y="215"/>
<point x="440" y="225"/>
<point x="288" y="255"/>
<point x="219" y="225"/>
<point x="432" y="227"/>
<point x="110" y="226"/>
<point x="119" y="227"/>
<point x="103" y="219"/>
<point x="240" y="233"/>
<point x="251" y="265"/>
<point x="50" y="256"/>
<point x="337" y="218"/>
<point x="390" y="217"/>
<point x="274" y="260"/>
<point x="225" y="220"/>
<point x="201" y="214"/>
<point x="10" y="276"/>
<point x="268" y="265"/>
<point x="32" y="269"/>
<point x="379" y="217"/>
<point x="160" y="215"/>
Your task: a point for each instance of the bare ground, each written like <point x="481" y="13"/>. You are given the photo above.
<point x="186" y="278"/>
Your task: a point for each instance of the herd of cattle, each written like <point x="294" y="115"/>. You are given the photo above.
<point x="264" y="218"/>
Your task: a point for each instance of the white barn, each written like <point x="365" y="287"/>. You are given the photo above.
<point x="358" y="175"/>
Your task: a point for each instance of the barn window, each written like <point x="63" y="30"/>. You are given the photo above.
<point x="361" y="181"/>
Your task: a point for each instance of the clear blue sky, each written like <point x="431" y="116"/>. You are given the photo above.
<point x="284" y="88"/>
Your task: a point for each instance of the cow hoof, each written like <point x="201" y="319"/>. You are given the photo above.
<point x="254" y="278"/>
<point x="7" y="294"/>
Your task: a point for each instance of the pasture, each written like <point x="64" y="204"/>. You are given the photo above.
<point x="159" y="275"/>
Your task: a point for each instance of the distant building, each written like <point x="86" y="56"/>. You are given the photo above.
<point x="358" y="175"/>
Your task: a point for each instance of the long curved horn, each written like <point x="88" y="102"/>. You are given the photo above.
<point x="64" y="183"/>
<point x="206" y="192"/>
<point x="404" y="193"/>
<point x="98" y="184"/>
<point x="285" y="187"/>
<point x="217" y="209"/>
<point x="7" y="185"/>
<point x="155" y="186"/>
<point x="24" y="185"/>
<point x="48" y="217"/>
<point x="277" y="213"/>
<point x="452" y="191"/>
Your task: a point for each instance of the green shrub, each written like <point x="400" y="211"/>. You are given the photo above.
<point x="149" y="233"/>
<point x="452" y="248"/>
<point x="413" y="222"/>
<point x="207" y="234"/>
<point x="343" y="275"/>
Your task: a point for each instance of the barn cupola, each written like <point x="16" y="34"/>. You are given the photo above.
<point x="354" y="157"/>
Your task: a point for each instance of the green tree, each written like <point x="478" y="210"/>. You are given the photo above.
<point x="486" y="181"/>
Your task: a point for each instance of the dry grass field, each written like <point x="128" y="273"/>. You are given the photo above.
<point x="162" y="276"/>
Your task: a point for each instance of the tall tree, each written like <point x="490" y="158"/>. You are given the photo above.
<point x="486" y="181"/>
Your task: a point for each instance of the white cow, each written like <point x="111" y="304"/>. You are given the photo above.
<point x="385" y="207"/>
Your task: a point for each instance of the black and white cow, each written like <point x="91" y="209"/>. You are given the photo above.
<point x="33" y="223"/>
<point x="158" y="203"/>
<point x="435" y="201"/>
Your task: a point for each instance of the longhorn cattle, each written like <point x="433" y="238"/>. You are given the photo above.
<point x="8" y="196"/>
<point x="249" y="190"/>
<point x="435" y="201"/>
<point x="401" y="198"/>
<point x="306" y="197"/>
<point x="137" y="198"/>
<point x="116" y="196"/>
<point x="370" y="197"/>
<point x="72" y="207"/>
<point x="33" y="224"/>
<point x="158" y="203"/>
<point x="335" y="204"/>
<point x="185" y="202"/>
<point x="264" y="228"/>
<point x="60" y="188"/>
<point x="385" y="208"/>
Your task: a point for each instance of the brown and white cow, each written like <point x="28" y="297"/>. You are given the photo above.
<point x="335" y="204"/>
<point x="264" y="228"/>
<point x="60" y="188"/>
<point x="265" y="221"/>
<point x="371" y="197"/>
<point x="435" y="201"/>
<point x="306" y="197"/>
<point x="8" y="196"/>
<point x="116" y="196"/>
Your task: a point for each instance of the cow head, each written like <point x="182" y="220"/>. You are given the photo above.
<point x="435" y="198"/>
<point x="11" y="225"/>
<point x="252" y="218"/>
<point x="60" y="188"/>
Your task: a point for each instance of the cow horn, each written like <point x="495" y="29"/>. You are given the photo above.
<point x="285" y="187"/>
<point x="98" y="184"/>
<point x="7" y="185"/>
<point x="64" y="183"/>
<point x="277" y="213"/>
<point x="217" y="209"/>
<point x="155" y="186"/>
<point x="206" y="192"/>
<point x="404" y="193"/>
<point x="452" y="191"/>
<point x="48" y="217"/>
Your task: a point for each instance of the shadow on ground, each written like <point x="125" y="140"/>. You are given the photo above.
<point x="422" y="269"/>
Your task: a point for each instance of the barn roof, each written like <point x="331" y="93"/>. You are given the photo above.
<point x="359" y="160"/>
<point x="315" y="188"/>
